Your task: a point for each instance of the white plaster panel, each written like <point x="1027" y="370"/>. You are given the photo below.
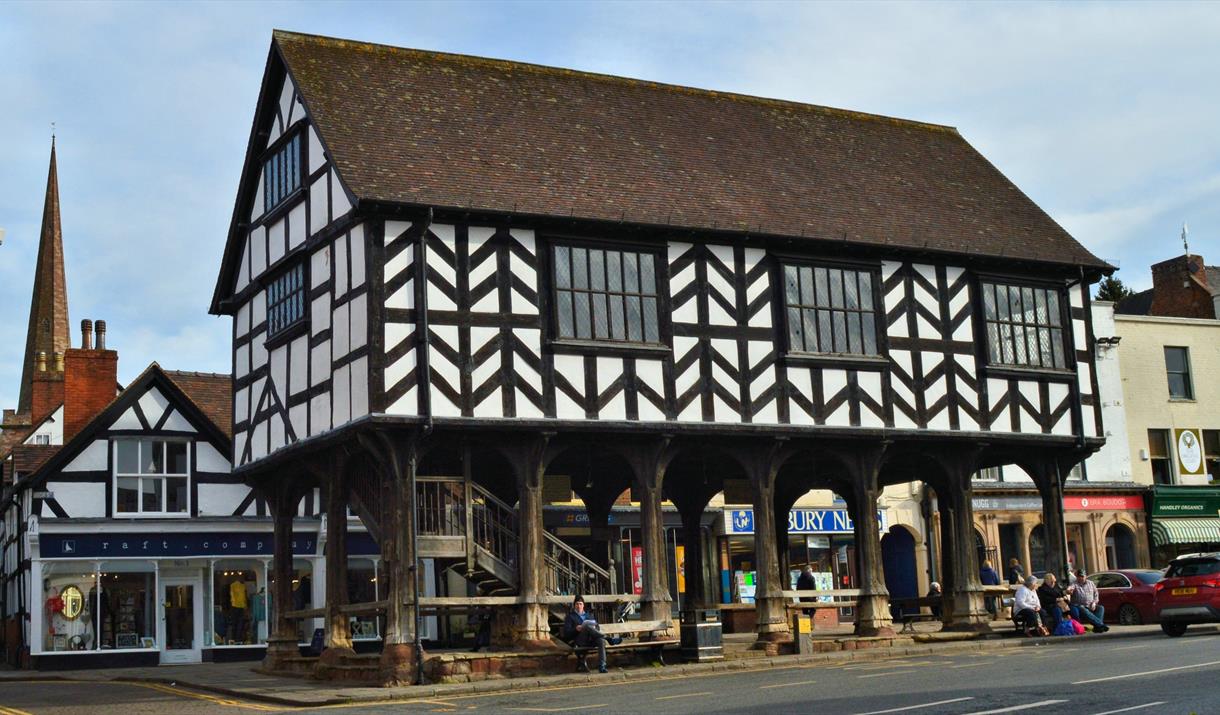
<point x="395" y="333"/>
<point x="241" y="405"/>
<point x="319" y="267"/>
<point x="276" y="241"/>
<point x="404" y="296"/>
<point x="610" y="369"/>
<point x="258" y="441"/>
<point x="298" y="368"/>
<point x="319" y="363"/>
<point x="279" y="372"/>
<point x="319" y="313"/>
<point x="339" y="203"/>
<point x="356" y="255"/>
<point x="360" y="387"/>
<point x="242" y="325"/>
<point x="153" y="404"/>
<point x="296" y="226"/>
<point x="298" y="417"/>
<point x="341" y="396"/>
<point x="94" y="458"/>
<point x="127" y="420"/>
<point x="319" y="204"/>
<point x="317" y="156"/>
<point x="394" y="229"/>
<point x="319" y="413"/>
<point x="221" y="499"/>
<point x="339" y="332"/>
<point x="400" y="368"/>
<point x="258" y="253"/>
<point x="278" y="435"/>
<point x="802" y="381"/>
<point x="239" y="444"/>
<point x="995" y="390"/>
<point x="243" y="271"/>
<point x="258" y="309"/>
<point x="870" y="384"/>
<point x="340" y="248"/>
<point x="572" y="367"/>
<point x="832" y="382"/>
<point x="80" y="499"/>
<point x="208" y="459"/>
<point x="256" y="206"/>
<point x="358" y="332"/>
<point x="177" y="423"/>
<point x="286" y="92"/>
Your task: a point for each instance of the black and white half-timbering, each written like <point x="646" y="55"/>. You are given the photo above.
<point x="467" y="274"/>
<point x="129" y="541"/>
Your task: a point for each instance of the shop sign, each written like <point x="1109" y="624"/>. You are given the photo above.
<point x="1095" y="502"/>
<point x="800" y="521"/>
<point x="59" y="546"/>
<point x="1007" y="503"/>
<point x="1193" y="501"/>
<point x="637" y="570"/>
<point x="1190" y="452"/>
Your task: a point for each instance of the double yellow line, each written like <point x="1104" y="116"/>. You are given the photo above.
<point x="215" y="700"/>
<point x="12" y="711"/>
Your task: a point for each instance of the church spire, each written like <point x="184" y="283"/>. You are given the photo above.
<point x="48" y="331"/>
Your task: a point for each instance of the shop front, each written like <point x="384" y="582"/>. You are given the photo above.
<point x="1184" y="520"/>
<point x="1105" y="528"/>
<point x="142" y="598"/>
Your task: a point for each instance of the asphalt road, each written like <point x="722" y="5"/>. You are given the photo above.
<point x="1082" y="677"/>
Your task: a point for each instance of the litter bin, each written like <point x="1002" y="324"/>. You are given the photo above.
<point x="701" y="635"/>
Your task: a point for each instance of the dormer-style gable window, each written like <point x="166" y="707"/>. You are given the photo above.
<point x="151" y="477"/>
<point x="286" y="301"/>
<point x="282" y="173"/>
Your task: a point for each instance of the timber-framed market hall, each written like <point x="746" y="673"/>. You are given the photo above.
<point x="452" y="278"/>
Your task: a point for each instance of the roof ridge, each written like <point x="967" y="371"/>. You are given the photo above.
<point x="196" y="373"/>
<point x="629" y="81"/>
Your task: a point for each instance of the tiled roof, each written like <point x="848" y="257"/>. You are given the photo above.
<point x="1138" y="304"/>
<point x="1213" y="278"/>
<point x="28" y="457"/>
<point x="431" y="129"/>
<point x="211" y="392"/>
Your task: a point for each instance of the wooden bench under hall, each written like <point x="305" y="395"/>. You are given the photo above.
<point x="635" y="629"/>
<point x="909" y="618"/>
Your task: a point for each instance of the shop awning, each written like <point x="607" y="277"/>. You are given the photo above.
<point x="1200" y="530"/>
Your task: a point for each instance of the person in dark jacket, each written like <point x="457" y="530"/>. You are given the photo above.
<point x="989" y="578"/>
<point x="580" y="630"/>
<point x="935" y="591"/>
<point x="1053" y="599"/>
<point x="806" y="582"/>
<point x="1016" y="574"/>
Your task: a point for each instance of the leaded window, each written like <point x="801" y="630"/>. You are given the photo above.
<point x="282" y="173"/>
<point x="830" y="310"/>
<point x="1024" y="326"/>
<point x="606" y="295"/>
<point x="286" y="300"/>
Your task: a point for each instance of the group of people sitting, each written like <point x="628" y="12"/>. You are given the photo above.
<point x="1053" y="609"/>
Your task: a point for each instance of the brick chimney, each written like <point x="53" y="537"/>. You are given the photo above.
<point x="90" y="379"/>
<point x="46" y="385"/>
<point x="1180" y="289"/>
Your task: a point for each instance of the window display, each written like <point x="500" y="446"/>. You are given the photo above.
<point x="127" y="607"/>
<point x="362" y="588"/>
<point x="302" y="594"/>
<point x="239" y="602"/>
<point x="69" y="590"/>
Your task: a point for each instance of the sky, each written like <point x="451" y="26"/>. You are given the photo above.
<point x="1105" y="114"/>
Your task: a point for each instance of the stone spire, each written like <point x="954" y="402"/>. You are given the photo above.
<point x="48" y="331"/>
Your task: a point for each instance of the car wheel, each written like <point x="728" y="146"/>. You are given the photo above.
<point x="1129" y="615"/>
<point x="1172" y="629"/>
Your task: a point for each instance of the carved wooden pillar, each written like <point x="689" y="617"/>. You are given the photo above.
<point x="338" y="625"/>
<point x="282" y="500"/>
<point x="785" y="499"/>
<point x="965" y="605"/>
<point x="772" y="614"/>
<point x="531" y="629"/>
<point x="650" y="462"/>
<point x="873" y="616"/>
<point x="1049" y="477"/>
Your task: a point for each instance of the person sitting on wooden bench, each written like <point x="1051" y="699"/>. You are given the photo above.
<point x="580" y="631"/>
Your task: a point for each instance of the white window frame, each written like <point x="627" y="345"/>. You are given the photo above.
<point x="116" y="475"/>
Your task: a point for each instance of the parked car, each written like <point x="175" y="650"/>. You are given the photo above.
<point x="1127" y="595"/>
<point x="1189" y="593"/>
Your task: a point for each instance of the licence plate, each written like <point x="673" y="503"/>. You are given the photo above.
<point x="1185" y="591"/>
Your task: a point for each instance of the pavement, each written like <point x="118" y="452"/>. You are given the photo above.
<point x="230" y="683"/>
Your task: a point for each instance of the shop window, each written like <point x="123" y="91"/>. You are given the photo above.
<point x="1211" y="448"/>
<point x="151" y="477"/>
<point x="1024" y="326"/>
<point x="830" y="310"/>
<point x="1160" y="457"/>
<point x="127" y="605"/>
<point x="302" y="595"/>
<point x="1177" y="368"/>
<point x="69" y="602"/>
<point x="362" y="588"/>
<point x="606" y="295"/>
<point x="238" y="603"/>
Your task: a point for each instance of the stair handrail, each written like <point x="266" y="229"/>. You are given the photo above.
<point x="570" y="571"/>
<point x="495" y="526"/>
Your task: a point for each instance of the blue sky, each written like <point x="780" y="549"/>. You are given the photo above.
<point x="1104" y="113"/>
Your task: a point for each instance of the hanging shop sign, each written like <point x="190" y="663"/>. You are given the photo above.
<point x="1190" y="452"/>
<point x="800" y="521"/>
<point x="118" y="545"/>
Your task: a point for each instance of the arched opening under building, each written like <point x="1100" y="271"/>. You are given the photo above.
<point x="1120" y="547"/>
<point x="1037" y="550"/>
<point x="898" y="562"/>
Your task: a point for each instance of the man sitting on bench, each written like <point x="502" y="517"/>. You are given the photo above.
<point x="580" y="630"/>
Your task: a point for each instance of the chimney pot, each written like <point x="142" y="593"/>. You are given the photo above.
<point x="100" y="328"/>
<point x="59" y="361"/>
<point x="86" y="334"/>
<point x="42" y="361"/>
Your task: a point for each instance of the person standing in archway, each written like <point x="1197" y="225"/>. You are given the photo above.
<point x="1016" y="574"/>
<point x="989" y="578"/>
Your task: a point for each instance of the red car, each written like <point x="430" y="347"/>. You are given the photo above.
<point x="1189" y="593"/>
<point x="1127" y="595"/>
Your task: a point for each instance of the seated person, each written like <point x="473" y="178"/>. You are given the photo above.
<point x="934" y="591"/>
<point x="1026" y="606"/>
<point x="1054" y="601"/>
<point x="580" y="630"/>
<point x="1085" y="604"/>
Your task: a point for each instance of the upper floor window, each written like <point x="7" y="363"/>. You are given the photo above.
<point x="1024" y="326"/>
<point x="151" y="476"/>
<point x="282" y="173"/>
<point x="1177" y="367"/>
<point x="1159" y="455"/>
<point x="606" y="295"/>
<point x="830" y="310"/>
<point x="286" y="300"/>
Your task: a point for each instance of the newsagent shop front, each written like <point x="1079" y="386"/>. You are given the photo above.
<point x="148" y="598"/>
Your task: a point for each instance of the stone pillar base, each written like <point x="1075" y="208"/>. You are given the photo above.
<point x="398" y="663"/>
<point x="334" y="655"/>
<point x="873" y="617"/>
<point x="967" y="613"/>
<point x="531" y="628"/>
<point x="279" y="650"/>
<point x="772" y="625"/>
<point x="658" y="611"/>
